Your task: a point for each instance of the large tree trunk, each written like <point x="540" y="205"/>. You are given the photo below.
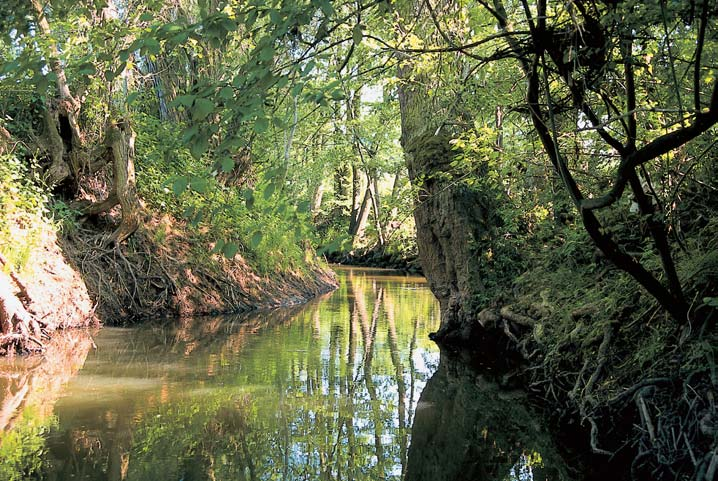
<point x="121" y="142"/>
<point x="452" y="220"/>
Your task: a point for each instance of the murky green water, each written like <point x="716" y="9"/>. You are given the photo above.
<point x="330" y="390"/>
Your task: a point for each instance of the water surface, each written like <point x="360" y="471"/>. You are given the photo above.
<point x="324" y="391"/>
<point x="347" y="387"/>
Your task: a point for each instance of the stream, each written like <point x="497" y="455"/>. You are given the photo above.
<point x="346" y="387"/>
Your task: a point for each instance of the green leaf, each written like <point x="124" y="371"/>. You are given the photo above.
<point x="132" y="97"/>
<point x="202" y="108"/>
<point x="357" y="34"/>
<point x="218" y="246"/>
<point x="152" y="45"/>
<point x="185" y="100"/>
<point x="199" y="184"/>
<point x="179" y="39"/>
<point x="327" y="8"/>
<point x="261" y="125"/>
<point x="248" y="195"/>
<point x="303" y="207"/>
<point x="282" y="82"/>
<point x="120" y="69"/>
<point x="256" y="239"/>
<point x="266" y="54"/>
<point x="11" y="66"/>
<point x="189" y="212"/>
<point x="180" y="185"/>
<point x="274" y="17"/>
<point x="226" y="93"/>
<point x="227" y="164"/>
<point x="88" y="68"/>
<point x="309" y="67"/>
<point x="190" y="134"/>
<point x="136" y="45"/>
<point x="297" y="89"/>
<point x="198" y="147"/>
<point x="146" y="17"/>
<point x="711" y="301"/>
<point x="197" y="218"/>
<point x="230" y="250"/>
<point x="269" y="190"/>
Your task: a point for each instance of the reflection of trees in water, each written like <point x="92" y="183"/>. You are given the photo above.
<point x="468" y="428"/>
<point x="29" y="389"/>
<point x="318" y="392"/>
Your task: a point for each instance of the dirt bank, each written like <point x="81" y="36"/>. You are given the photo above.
<point x="79" y="279"/>
<point x="162" y="271"/>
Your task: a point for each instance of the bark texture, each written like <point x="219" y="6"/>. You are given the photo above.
<point x="452" y="225"/>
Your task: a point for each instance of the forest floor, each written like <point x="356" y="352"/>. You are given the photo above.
<point x="630" y="393"/>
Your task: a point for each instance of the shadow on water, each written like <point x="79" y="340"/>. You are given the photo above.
<point x="468" y="427"/>
<point x="326" y="391"/>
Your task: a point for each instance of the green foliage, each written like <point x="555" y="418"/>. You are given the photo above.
<point x="25" y="221"/>
<point x="22" y="448"/>
<point x="260" y="224"/>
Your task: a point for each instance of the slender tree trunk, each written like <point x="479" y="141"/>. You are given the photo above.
<point x="499" y="116"/>
<point x="373" y="191"/>
<point x="317" y="198"/>
<point x="362" y="217"/>
<point x="356" y="207"/>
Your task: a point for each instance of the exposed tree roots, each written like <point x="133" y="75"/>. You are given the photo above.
<point x="605" y="411"/>
<point x="143" y="278"/>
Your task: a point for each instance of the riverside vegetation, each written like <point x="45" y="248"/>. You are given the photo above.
<point x="550" y="165"/>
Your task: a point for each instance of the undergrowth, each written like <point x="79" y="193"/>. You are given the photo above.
<point x="604" y="354"/>
<point x="257" y="223"/>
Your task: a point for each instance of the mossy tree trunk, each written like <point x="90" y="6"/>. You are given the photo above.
<point x="64" y="135"/>
<point x="453" y="220"/>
